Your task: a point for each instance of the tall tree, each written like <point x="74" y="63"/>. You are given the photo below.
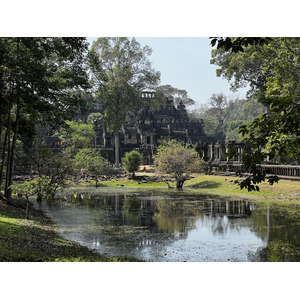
<point x="41" y="80"/>
<point x="121" y="71"/>
<point x="273" y="72"/>
<point x="176" y="94"/>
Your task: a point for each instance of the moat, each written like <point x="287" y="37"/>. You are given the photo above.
<point x="176" y="227"/>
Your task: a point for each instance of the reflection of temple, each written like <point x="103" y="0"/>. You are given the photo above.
<point x="235" y="208"/>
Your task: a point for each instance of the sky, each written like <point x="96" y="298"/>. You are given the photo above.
<point x="184" y="63"/>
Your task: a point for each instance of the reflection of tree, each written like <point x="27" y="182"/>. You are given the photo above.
<point x="278" y="223"/>
<point x="131" y="208"/>
<point x="173" y="215"/>
<point x="174" y="224"/>
<point x="279" y="226"/>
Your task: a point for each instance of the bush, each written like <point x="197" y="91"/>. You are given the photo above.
<point x="131" y="162"/>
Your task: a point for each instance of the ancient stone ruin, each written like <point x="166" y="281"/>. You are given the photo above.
<point x="145" y="129"/>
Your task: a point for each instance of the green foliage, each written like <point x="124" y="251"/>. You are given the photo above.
<point x="223" y="114"/>
<point x="50" y="73"/>
<point x="175" y="94"/>
<point x="96" y="119"/>
<point x="272" y="70"/>
<point x="92" y="163"/>
<point x="77" y="135"/>
<point x="25" y="189"/>
<point x="237" y="44"/>
<point x="40" y="187"/>
<point x="232" y="132"/>
<point x="178" y="160"/>
<point x="55" y="166"/>
<point x="131" y="161"/>
<point x="41" y="82"/>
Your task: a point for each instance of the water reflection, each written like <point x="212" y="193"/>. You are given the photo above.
<point x="176" y="227"/>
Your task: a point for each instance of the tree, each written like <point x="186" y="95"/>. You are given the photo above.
<point x="77" y="135"/>
<point x="41" y="80"/>
<point x="53" y="170"/>
<point x="92" y="163"/>
<point x="121" y="71"/>
<point x="24" y="190"/>
<point x="223" y="110"/>
<point x="40" y="186"/>
<point x="176" y="94"/>
<point x="131" y="162"/>
<point x="247" y="112"/>
<point x="220" y="112"/>
<point x="272" y="70"/>
<point x="178" y="160"/>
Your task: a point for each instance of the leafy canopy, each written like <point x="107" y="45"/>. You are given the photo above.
<point x="178" y="160"/>
<point x="175" y="94"/>
<point x="131" y="161"/>
<point x="76" y="135"/>
<point x="272" y="71"/>
<point x="121" y="70"/>
<point x="92" y="163"/>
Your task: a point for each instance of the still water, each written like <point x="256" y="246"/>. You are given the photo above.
<point x="177" y="227"/>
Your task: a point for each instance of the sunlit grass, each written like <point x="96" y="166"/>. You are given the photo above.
<point x="285" y="190"/>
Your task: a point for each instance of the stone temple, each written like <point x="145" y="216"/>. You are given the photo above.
<point x="146" y="129"/>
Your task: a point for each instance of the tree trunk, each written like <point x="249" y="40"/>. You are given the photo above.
<point x="39" y="198"/>
<point x="13" y="151"/>
<point x="3" y="159"/>
<point x="8" y="154"/>
<point x="179" y="184"/>
<point x="16" y="132"/>
<point x="117" y="150"/>
<point x="27" y="208"/>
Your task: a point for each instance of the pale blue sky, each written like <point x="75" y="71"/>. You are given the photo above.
<point x="184" y="63"/>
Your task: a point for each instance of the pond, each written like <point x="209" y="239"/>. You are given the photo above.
<point x="176" y="227"/>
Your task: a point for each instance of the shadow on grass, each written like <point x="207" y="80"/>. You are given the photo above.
<point x="208" y="184"/>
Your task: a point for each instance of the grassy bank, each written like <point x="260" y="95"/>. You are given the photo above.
<point x="37" y="239"/>
<point x="285" y="190"/>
